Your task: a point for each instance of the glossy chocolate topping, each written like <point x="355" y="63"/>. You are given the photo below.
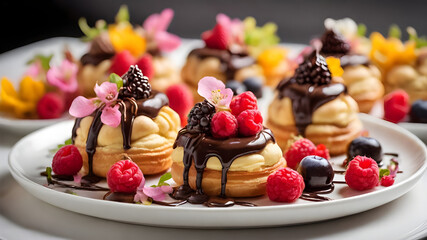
<point x="130" y="109"/>
<point x="199" y="147"/>
<point x="100" y="50"/>
<point x="231" y="61"/>
<point x="306" y="98"/>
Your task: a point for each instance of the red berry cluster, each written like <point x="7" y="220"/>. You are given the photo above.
<point x="244" y="119"/>
<point x="217" y="38"/>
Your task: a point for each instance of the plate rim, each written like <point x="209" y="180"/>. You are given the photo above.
<point x="15" y="171"/>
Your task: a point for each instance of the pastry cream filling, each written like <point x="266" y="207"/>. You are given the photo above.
<point x="269" y="156"/>
<point x="146" y="132"/>
<point x="340" y="112"/>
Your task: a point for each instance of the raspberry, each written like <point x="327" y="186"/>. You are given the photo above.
<point x="250" y="122"/>
<point x="322" y="151"/>
<point x="362" y="173"/>
<point x="67" y="161"/>
<point x="121" y="62"/>
<point x="180" y="100"/>
<point x="285" y="185"/>
<point x="242" y="102"/>
<point x="50" y="106"/>
<point x="124" y="176"/>
<point x="387" y="181"/>
<point x="299" y="149"/>
<point x="396" y="106"/>
<point x="217" y="38"/>
<point x="224" y="125"/>
<point x="145" y="63"/>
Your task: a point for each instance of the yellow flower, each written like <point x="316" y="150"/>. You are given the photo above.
<point x="389" y="52"/>
<point x="123" y="37"/>
<point x="334" y="66"/>
<point x="271" y="58"/>
<point x="22" y="104"/>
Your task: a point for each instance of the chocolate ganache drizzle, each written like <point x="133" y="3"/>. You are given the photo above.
<point x="199" y="147"/>
<point x="231" y="60"/>
<point x="129" y="107"/>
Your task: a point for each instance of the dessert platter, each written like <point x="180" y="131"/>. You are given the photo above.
<point x="247" y="129"/>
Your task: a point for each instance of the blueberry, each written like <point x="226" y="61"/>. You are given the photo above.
<point x="418" y="111"/>
<point x="236" y="86"/>
<point x="365" y="146"/>
<point x="317" y="173"/>
<point x="254" y="84"/>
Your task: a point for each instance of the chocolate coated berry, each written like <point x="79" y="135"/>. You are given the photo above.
<point x="236" y="86"/>
<point x="317" y="173"/>
<point x="418" y="111"/>
<point x="333" y="44"/>
<point x="365" y="146"/>
<point x="254" y="84"/>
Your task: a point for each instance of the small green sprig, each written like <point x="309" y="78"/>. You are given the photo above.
<point x="49" y="175"/>
<point x="59" y="146"/>
<point x="44" y="60"/>
<point x="394" y="31"/>
<point x="114" y="78"/>
<point x="163" y="179"/>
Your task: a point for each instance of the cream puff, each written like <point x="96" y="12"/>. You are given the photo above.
<point x="145" y="131"/>
<point x="315" y="105"/>
<point x="218" y="153"/>
<point x="113" y="48"/>
<point x="362" y="78"/>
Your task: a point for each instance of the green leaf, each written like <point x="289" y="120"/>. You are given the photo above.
<point x="44" y="60"/>
<point x="361" y="30"/>
<point x="384" y="172"/>
<point x="59" y="146"/>
<point x="91" y="33"/>
<point x="164" y="178"/>
<point x="122" y="14"/>
<point x="394" y="31"/>
<point x="49" y="175"/>
<point x="413" y="36"/>
<point x="114" y="78"/>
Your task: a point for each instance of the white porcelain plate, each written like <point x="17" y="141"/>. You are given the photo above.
<point x="31" y="155"/>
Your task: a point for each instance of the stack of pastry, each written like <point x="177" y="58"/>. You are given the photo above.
<point x="145" y="132"/>
<point x="218" y="154"/>
<point x="113" y="48"/>
<point x="362" y="78"/>
<point x="316" y="105"/>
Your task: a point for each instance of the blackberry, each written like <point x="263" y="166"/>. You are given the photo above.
<point x="135" y="84"/>
<point x="333" y="44"/>
<point x="313" y="70"/>
<point x="200" y="116"/>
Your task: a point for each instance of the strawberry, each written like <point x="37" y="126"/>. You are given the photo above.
<point x="50" y="106"/>
<point x="217" y="38"/>
<point x="121" y="62"/>
<point x="180" y="100"/>
<point x="145" y="63"/>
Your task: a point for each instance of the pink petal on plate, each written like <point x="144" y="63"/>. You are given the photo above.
<point x="167" y="42"/>
<point x="82" y="107"/>
<point x="140" y="197"/>
<point x="166" y="189"/>
<point x="155" y="193"/>
<point x="107" y="92"/>
<point x="111" y="116"/>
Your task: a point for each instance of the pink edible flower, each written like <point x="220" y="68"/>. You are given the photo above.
<point x="106" y="94"/>
<point x="214" y="91"/>
<point x="64" y="76"/>
<point x="156" y="26"/>
<point x="34" y="70"/>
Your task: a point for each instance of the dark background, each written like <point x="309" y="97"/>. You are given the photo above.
<point x="23" y="22"/>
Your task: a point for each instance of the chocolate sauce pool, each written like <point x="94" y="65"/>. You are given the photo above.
<point x="130" y="109"/>
<point x="306" y="98"/>
<point x="198" y="148"/>
<point x="231" y="62"/>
